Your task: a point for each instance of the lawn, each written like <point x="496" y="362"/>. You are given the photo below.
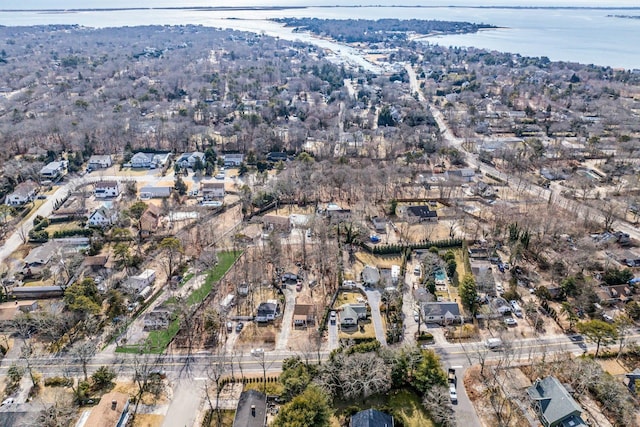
<point x="157" y="341"/>
<point x="407" y="406"/>
<point x="404" y="405"/>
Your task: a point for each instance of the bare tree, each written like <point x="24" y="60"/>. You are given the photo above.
<point x="436" y="401"/>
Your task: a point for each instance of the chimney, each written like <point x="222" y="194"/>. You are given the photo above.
<point x="114" y="403"/>
<point x="253" y="410"/>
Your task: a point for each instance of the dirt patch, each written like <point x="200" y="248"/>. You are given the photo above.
<point x="612" y="366"/>
<point x="148" y="420"/>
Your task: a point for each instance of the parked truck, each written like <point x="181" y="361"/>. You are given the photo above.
<point x="452" y="376"/>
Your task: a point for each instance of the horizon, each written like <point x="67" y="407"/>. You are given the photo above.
<point x="9" y="5"/>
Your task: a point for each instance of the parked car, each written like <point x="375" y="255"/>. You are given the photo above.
<point x="332" y="317"/>
<point x="510" y="321"/>
<point x="607" y="318"/>
<point x="239" y="327"/>
<point x="257" y="351"/>
<point x="229" y="326"/>
<point x="349" y="284"/>
<point x="416" y="316"/>
<point x="453" y="394"/>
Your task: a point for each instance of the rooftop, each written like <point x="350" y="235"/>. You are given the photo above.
<point x="251" y="410"/>
<point x="371" y="418"/>
<point x="106" y="413"/>
<point x="555" y="403"/>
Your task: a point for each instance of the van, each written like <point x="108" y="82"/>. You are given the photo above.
<point x="493" y="343"/>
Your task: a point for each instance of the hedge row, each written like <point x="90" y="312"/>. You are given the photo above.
<point x="424" y="244"/>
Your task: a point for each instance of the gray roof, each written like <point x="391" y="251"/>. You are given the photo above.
<point x="244" y="416"/>
<point x="441" y="308"/>
<point x="555" y="403"/>
<point x="371" y="418"/>
<point x="41" y="254"/>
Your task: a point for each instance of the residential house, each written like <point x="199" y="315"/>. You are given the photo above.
<point x="101" y="217"/>
<point x="251" y="410"/>
<point x="53" y="171"/>
<point x="141" y="160"/>
<point x="267" y="311"/>
<point x="233" y="159"/>
<point x="337" y="214"/>
<point x="97" y="262"/>
<point x="189" y="160"/>
<point x="40" y="255"/>
<point x="212" y="190"/>
<point x="111" y="411"/>
<point x="465" y="175"/>
<point x="614" y="294"/>
<point x="554" y="405"/>
<point x="142" y="280"/>
<point x="371" y="418"/>
<point x="421" y="213"/>
<point x="379" y="224"/>
<point x="277" y="156"/>
<point x="24" y="193"/>
<point x="9" y="310"/>
<point x="104" y="189"/>
<point x="157" y="319"/>
<point x="441" y="312"/>
<point x="99" y="162"/>
<point x="155" y="192"/>
<point x="304" y="315"/>
<point x="350" y="314"/>
<point x="150" y="220"/>
<point x="281" y="224"/>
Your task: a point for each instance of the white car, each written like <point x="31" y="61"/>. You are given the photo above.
<point x="453" y="394"/>
<point x="510" y="321"/>
<point x="257" y="351"/>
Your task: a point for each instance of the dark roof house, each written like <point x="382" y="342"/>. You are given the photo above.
<point x="251" y="410"/>
<point x="371" y="418"/>
<point x="555" y="406"/>
<point x="422" y="212"/>
<point x="441" y="312"/>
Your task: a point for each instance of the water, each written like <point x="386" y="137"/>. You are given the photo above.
<point x="577" y="35"/>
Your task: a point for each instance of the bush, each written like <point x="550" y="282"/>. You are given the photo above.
<point x="58" y="382"/>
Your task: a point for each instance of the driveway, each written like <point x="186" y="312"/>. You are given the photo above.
<point x="187" y="399"/>
<point x="333" y="341"/>
<point x="373" y="296"/>
<point x="287" y="319"/>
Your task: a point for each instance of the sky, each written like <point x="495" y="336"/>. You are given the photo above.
<point x="85" y="4"/>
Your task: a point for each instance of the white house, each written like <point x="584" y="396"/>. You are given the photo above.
<point x="100" y="162"/>
<point x="101" y="217"/>
<point x="233" y="159"/>
<point x="24" y="193"/>
<point x="142" y="280"/>
<point x="212" y="190"/>
<point x="189" y="160"/>
<point x="53" y="170"/>
<point x="141" y="160"/>
<point x="153" y="192"/>
<point x="104" y="189"/>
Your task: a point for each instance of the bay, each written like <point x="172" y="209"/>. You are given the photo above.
<point x="585" y="35"/>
